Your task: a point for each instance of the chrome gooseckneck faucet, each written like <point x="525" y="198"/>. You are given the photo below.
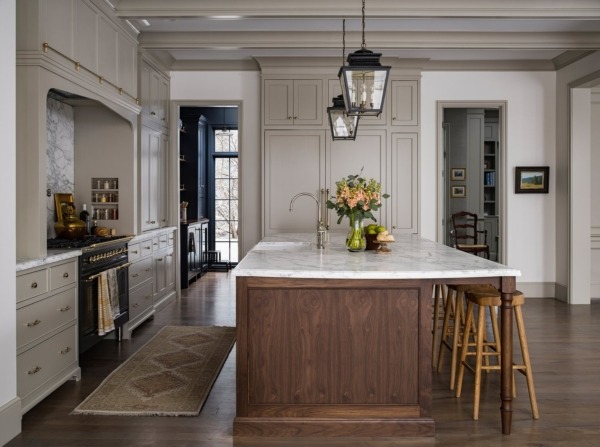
<point x="320" y="226"/>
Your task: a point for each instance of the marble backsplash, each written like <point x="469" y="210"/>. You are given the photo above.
<point x="60" y="151"/>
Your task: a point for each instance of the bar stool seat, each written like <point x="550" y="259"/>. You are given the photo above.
<point x="486" y="349"/>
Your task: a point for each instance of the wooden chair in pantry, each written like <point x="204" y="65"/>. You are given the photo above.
<point x="466" y="236"/>
<point x="453" y="325"/>
<point x="486" y="349"/>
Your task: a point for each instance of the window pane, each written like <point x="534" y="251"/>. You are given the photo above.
<point x="226" y="140"/>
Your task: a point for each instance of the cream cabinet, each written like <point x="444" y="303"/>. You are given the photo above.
<point x="404" y="102"/>
<point x="153" y="179"/>
<point x="309" y="161"/>
<point x="404" y="170"/>
<point x="164" y="269"/>
<point x="151" y="275"/>
<point x="293" y="102"/>
<point x="154" y="88"/>
<point x="141" y="283"/>
<point x="47" y="352"/>
<point x="300" y="155"/>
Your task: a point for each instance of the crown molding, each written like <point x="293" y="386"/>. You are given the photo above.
<point x="375" y="8"/>
<point x="489" y="65"/>
<point x="375" y="40"/>
<point x="215" y="65"/>
<point x="569" y="57"/>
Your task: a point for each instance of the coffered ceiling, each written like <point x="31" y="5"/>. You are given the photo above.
<point x="441" y="34"/>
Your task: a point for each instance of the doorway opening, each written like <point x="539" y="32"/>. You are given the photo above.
<point x="208" y="172"/>
<point x="471" y="160"/>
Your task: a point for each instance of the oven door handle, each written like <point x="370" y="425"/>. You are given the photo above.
<point x="93" y="277"/>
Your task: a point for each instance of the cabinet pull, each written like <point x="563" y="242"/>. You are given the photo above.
<point x="34" y="323"/>
<point x="289" y="117"/>
<point x="135" y="252"/>
<point x="156" y="243"/>
<point x="65" y="275"/>
<point x="64" y="309"/>
<point x="34" y="285"/>
<point x="159" y="259"/>
<point x="34" y="370"/>
<point x="295" y="117"/>
<point x="393" y="118"/>
<point x="147" y="247"/>
<point x="149" y="269"/>
<point x="66" y="350"/>
<point x="153" y="113"/>
<point x="135" y="275"/>
<point x="148" y="297"/>
<point x="136" y="305"/>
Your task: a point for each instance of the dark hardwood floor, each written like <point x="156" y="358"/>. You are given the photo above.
<point x="563" y="341"/>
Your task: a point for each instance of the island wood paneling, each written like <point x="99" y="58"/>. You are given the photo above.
<point x="332" y="357"/>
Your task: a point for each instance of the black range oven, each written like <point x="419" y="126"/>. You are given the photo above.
<point x="99" y="254"/>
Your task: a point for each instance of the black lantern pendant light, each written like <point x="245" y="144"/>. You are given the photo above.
<point x="343" y="126"/>
<point x="364" y="80"/>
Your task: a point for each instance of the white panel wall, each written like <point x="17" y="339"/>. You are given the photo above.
<point x="530" y="141"/>
<point x="234" y="86"/>
<point x="10" y="408"/>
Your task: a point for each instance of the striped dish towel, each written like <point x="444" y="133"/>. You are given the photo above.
<point x="106" y="317"/>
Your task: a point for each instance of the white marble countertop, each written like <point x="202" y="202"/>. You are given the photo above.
<point x="294" y="255"/>
<point x="51" y="257"/>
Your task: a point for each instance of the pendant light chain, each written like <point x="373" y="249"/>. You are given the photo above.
<point x="363" y="45"/>
<point x="343" y="42"/>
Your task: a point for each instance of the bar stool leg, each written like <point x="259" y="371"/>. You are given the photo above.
<point x="525" y="352"/>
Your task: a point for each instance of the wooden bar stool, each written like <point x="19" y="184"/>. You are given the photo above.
<point x="487" y="349"/>
<point x="454" y="319"/>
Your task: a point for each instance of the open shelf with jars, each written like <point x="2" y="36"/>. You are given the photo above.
<point x="105" y="198"/>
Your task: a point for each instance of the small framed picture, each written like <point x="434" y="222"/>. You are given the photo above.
<point x="458" y="191"/>
<point x="458" y="174"/>
<point x="531" y="179"/>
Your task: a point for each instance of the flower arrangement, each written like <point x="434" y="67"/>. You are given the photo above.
<point x="355" y="197"/>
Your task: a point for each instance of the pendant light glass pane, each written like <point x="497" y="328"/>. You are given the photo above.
<point x="343" y="127"/>
<point x="363" y="89"/>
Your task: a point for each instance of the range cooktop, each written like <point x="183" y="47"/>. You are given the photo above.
<point x="86" y="242"/>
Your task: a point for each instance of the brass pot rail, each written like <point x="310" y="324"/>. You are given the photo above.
<point x="79" y="67"/>
<point x="97" y="275"/>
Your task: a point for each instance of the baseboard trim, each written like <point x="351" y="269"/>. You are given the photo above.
<point x="537" y="289"/>
<point x="10" y="420"/>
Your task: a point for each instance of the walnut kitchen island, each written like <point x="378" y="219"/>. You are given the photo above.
<point x="334" y="343"/>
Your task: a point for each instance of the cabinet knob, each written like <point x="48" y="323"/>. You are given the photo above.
<point x="393" y="118"/>
<point x="295" y="117"/>
<point x="153" y="113"/>
<point x="160" y="259"/>
<point x="64" y="309"/>
<point x="34" y="323"/>
<point x="135" y="252"/>
<point x="135" y="275"/>
<point x="34" y="285"/>
<point x="136" y="305"/>
<point x="289" y="117"/>
<point x="65" y="275"/>
<point x="66" y="350"/>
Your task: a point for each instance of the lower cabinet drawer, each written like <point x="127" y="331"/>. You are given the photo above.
<point x="42" y="362"/>
<point x="62" y="275"/>
<point x="140" y="272"/>
<point x="40" y="318"/>
<point x="32" y="284"/>
<point x="140" y="300"/>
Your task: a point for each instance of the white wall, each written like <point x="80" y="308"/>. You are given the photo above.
<point x="10" y="407"/>
<point x="582" y="72"/>
<point x="234" y="86"/>
<point x="530" y="141"/>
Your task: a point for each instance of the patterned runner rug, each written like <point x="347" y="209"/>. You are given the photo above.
<point x="171" y="375"/>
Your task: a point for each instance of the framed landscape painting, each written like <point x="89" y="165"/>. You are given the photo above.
<point x="531" y="179"/>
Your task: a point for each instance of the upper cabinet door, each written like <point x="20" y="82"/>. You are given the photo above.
<point x="293" y="102"/>
<point x="405" y="100"/>
<point x="308" y="102"/>
<point x="279" y="100"/>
